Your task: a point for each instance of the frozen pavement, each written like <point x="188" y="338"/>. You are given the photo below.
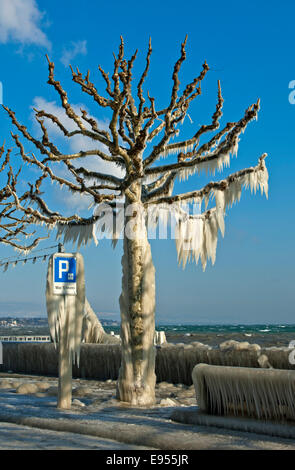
<point x="16" y="437"/>
<point x="99" y="420"/>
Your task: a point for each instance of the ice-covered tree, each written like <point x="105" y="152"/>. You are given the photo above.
<point x="14" y="224"/>
<point x="137" y="137"/>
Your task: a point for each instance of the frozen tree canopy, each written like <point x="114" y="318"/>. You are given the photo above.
<point x="131" y="130"/>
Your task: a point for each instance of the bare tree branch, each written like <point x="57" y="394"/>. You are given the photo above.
<point x="223" y="148"/>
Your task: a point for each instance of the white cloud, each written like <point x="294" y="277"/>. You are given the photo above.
<point x="20" y="22"/>
<point x="75" y="144"/>
<point x="77" y="48"/>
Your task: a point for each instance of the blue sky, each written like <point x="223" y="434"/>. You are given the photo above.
<point x="249" y="47"/>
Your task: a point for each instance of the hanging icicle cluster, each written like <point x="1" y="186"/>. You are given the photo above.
<point x="106" y="223"/>
<point x="80" y="233"/>
<point x="209" y="163"/>
<point x="201" y="164"/>
<point x="66" y="312"/>
<point x="110" y="222"/>
<point x="207" y="166"/>
<point x="62" y="315"/>
<point x="196" y="236"/>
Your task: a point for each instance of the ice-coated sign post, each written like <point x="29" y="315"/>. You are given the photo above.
<point x="65" y="301"/>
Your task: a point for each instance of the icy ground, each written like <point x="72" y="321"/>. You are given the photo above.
<point x="15" y="437"/>
<point x="96" y="420"/>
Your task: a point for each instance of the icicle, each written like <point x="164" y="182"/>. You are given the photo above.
<point x="5" y="267"/>
<point x="206" y="198"/>
<point x="236" y="147"/>
<point x="118" y="227"/>
<point x="189" y="239"/>
<point x="209" y="166"/>
<point x="203" y="252"/>
<point x="262" y="177"/>
<point x="220" y="209"/>
<point x="211" y="232"/>
<point x="198" y="241"/>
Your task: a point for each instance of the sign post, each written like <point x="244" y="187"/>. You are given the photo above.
<point x="65" y="301"/>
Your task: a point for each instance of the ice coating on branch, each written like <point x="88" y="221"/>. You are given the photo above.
<point x="208" y="166"/>
<point x="196" y="236"/>
<point x="257" y="179"/>
<point x="217" y="161"/>
<point x="174" y="151"/>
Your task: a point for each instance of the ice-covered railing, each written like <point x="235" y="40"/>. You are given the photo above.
<point x="242" y="391"/>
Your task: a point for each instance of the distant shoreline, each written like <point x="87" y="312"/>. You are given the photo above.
<point x="214" y="339"/>
<point x="266" y="335"/>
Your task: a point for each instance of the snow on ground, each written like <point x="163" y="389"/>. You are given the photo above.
<point x="97" y="417"/>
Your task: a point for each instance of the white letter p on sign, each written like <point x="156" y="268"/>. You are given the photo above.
<point x="63" y="267"/>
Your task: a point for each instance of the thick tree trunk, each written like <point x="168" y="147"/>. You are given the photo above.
<point x="136" y="382"/>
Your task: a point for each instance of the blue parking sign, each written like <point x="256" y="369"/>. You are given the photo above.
<point x="64" y="274"/>
<point x="64" y="269"/>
